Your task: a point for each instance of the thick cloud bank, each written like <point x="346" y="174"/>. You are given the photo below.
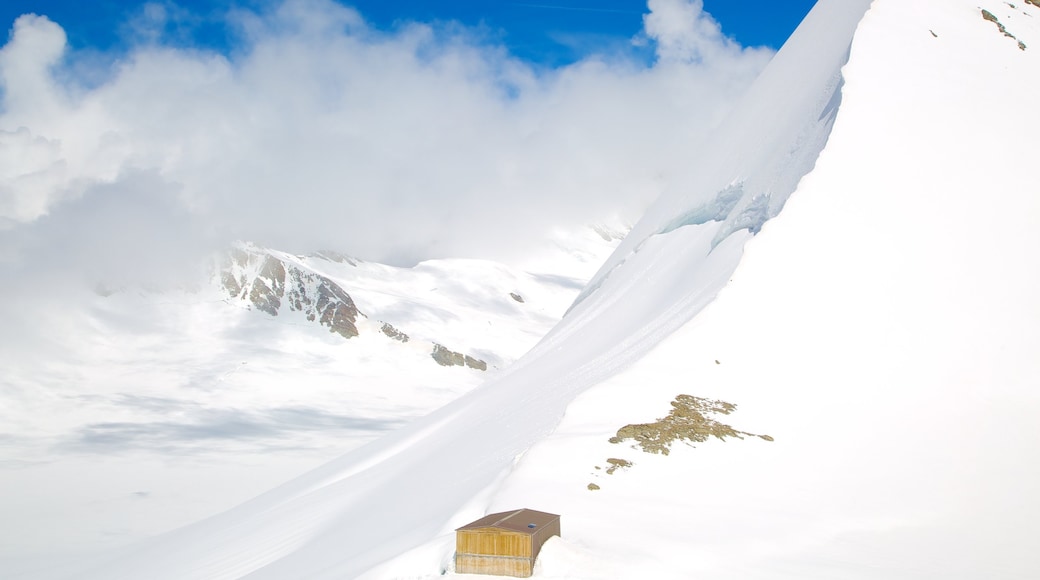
<point x="318" y="131"/>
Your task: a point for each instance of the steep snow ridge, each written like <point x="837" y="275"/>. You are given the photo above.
<point x="393" y="495"/>
<point x="768" y="143"/>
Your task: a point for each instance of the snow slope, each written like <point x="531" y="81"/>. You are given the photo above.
<point x="882" y="330"/>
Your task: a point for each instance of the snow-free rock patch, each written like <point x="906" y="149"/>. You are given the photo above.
<point x="447" y="357"/>
<point x="389" y="330"/>
<point x="987" y="15"/>
<point x="691" y="419"/>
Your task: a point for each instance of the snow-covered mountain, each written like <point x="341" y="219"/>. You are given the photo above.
<point x="268" y="282"/>
<point x="163" y="407"/>
<point x="277" y="283"/>
<point x="879" y="334"/>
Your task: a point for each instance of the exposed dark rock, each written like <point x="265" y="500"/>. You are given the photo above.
<point x="230" y="283"/>
<point x="516" y="297"/>
<point x="265" y="298"/>
<point x="593" y="487"/>
<point x="475" y="363"/>
<point x="689" y="420"/>
<point x="336" y="307"/>
<point x="987" y="15"/>
<point x="340" y="318"/>
<point x="447" y="357"/>
<point x="616" y="464"/>
<point x="389" y="330"/>
<point x="269" y="286"/>
<point x="273" y="269"/>
<point x="239" y="257"/>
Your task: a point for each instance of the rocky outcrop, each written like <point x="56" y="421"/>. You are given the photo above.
<point x="691" y="419"/>
<point x="389" y="330"/>
<point x="274" y="283"/>
<point x="475" y="363"/>
<point x="269" y="283"/>
<point x="447" y="357"/>
<point x="268" y="288"/>
<point x="987" y="15"/>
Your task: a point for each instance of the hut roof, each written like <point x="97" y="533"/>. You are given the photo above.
<point x="523" y="520"/>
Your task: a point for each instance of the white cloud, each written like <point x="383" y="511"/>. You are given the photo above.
<point x="36" y="45"/>
<point x="31" y="168"/>
<point x="685" y="33"/>
<point x="321" y="132"/>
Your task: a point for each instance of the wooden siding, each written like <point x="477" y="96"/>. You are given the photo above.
<point x="494" y="565"/>
<point x="493" y="542"/>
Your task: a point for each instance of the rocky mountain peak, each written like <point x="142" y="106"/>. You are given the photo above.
<point x="270" y="284"/>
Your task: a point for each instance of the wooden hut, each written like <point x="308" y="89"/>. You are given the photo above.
<point x="504" y="544"/>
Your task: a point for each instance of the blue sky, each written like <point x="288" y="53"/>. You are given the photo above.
<point x="549" y="32"/>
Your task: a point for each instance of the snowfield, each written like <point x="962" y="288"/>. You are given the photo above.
<point x="882" y="330"/>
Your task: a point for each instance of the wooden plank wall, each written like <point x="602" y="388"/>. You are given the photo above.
<point x="493" y="542"/>
<point x="494" y="565"/>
